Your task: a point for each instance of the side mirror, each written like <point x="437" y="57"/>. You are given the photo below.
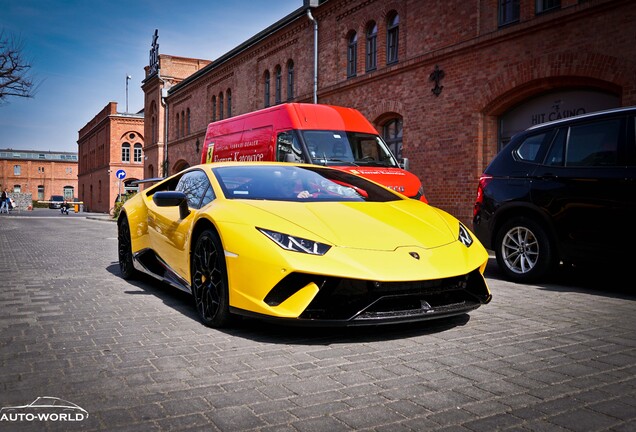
<point x="289" y="157"/>
<point x="172" y="199"/>
<point x="404" y="164"/>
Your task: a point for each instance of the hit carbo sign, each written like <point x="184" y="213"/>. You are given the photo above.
<point x="153" y="64"/>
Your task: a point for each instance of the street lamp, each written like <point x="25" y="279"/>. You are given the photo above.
<point x="128" y="78"/>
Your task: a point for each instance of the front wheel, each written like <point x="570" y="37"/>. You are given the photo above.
<point x="523" y="249"/>
<point x="209" y="280"/>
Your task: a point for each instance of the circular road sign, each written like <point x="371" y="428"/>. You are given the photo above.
<point x="120" y="174"/>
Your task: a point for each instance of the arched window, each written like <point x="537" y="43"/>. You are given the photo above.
<point x="153" y="122"/>
<point x="277" y="96"/>
<point x="214" y="108"/>
<point x="221" y="106"/>
<point x="125" y="152"/>
<point x="372" y="46"/>
<point x="392" y="37"/>
<point x="183" y="119"/>
<point x="151" y="171"/>
<point x="352" y="55"/>
<point x="392" y="134"/>
<point x="178" y="132"/>
<point x="99" y="191"/>
<point x="290" y="80"/>
<point x="188" y="130"/>
<point x="229" y="103"/>
<point x="137" y="153"/>
<point x="266" y="87"/>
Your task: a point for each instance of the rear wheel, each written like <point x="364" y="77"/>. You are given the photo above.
<point x="124" y="243"/>
<point x="209" y="280"/>
<point x="523" y="250"/>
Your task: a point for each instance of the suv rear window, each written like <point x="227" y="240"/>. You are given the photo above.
<point x="528" y="150"/>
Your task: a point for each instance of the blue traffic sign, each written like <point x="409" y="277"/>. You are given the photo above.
<point x="120" y="174"/>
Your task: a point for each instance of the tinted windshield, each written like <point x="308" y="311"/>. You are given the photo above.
<point x="293" y="183"/>
<point x="347" y="148"/>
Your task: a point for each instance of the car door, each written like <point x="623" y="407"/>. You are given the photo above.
<point x="583" y="185"/>
<point x="169" y="233"/>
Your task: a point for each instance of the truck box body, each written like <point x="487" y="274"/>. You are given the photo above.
<point x="311" y="133"/>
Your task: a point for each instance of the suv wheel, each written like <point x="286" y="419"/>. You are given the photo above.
<point x="523" y="250"/>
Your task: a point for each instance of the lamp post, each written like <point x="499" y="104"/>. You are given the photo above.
<point x="128" y="77"/>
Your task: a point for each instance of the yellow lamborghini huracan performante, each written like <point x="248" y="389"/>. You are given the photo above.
<point x="302" y="243"/>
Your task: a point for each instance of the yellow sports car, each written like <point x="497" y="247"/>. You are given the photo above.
<point x="302" y="243"/>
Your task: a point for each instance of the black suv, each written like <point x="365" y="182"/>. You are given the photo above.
<point x="562" y="191"/>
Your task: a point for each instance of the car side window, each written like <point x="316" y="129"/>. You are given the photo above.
<point x="555" y="155"/>
<point x="287" y="144"/>
<point x="196" y="187"/>
<point x="528" y="150"/>
<point x="594" y="144"/>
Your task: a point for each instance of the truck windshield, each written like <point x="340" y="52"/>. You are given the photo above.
<point x="347" y="148"/>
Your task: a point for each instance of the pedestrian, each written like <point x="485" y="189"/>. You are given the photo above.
<point x="4" y="200"/>
<point x="64" y="207"/>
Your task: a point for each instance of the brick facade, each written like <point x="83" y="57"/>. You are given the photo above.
<point x="38" y="173"/>
<point x="449" y="138"/>
<point x="100" y="146"/>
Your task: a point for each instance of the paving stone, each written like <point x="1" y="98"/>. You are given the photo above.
<point x="550" y="356"/>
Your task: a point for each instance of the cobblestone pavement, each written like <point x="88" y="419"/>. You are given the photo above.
<point x="553" y="357"/>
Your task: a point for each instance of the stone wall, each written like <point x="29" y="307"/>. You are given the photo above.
<point x="23" y="201"/>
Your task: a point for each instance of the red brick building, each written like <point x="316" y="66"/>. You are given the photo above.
<point x="110" y="142"/>
<point x="39" y="173"/>
<point x="446" y="83"/>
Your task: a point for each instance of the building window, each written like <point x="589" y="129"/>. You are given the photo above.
<point x="40" y="192"/>
<point x="229" y="103"/>
<point x="508" y="12"/>
<point x="290" y="80"/>
<point x="213" y="108"/>
<point x="189" y="130"/>
<point x="372" y="47"/>
<point x="69" y="192"/>
<point x="137" y="153"/>
<point x="178" y="125"/>
<point x="392" y="38"/>
<point x="16" y="170"/>
<point x="17" y="188"/>
<point x="183" y="120"/>
<point x="221" y="106"/>
<point x="266" y="87"/>
<point x="151" y="171"/>
<point x="392" y="134"/>
<point x="153" y="125"/>
<point x="352" y="55"/>
<point x="547" y="5"/>
<point x="277" y="96"/>
<point x="125" y="152"/>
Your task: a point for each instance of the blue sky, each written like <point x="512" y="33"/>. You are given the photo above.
<point x="82" y="50"/>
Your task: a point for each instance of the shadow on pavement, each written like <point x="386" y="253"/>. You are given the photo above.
<point x="272" y="332"/>
<point x="610" y="280"/>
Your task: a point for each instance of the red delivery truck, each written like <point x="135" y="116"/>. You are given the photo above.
<point x="310" y="133"/>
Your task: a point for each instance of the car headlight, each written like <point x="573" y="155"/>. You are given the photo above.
<point x="296" y="244"/>
<point x="464" y="236"/>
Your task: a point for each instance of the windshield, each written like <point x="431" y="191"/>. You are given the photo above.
<point x="294" y="183"/>
<point x="347" y="148"/>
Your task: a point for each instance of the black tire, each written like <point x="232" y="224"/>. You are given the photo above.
<point x="209" y="281"/>
<point x="524" y="251"/>
<point x="124" y="246"/>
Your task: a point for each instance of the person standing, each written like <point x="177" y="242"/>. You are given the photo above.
<point x="4" y="200"/>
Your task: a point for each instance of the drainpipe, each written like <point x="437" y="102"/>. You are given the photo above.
<point x="311" y="17"/>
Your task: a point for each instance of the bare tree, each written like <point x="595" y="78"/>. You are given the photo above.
<point x="15" y="79"/>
